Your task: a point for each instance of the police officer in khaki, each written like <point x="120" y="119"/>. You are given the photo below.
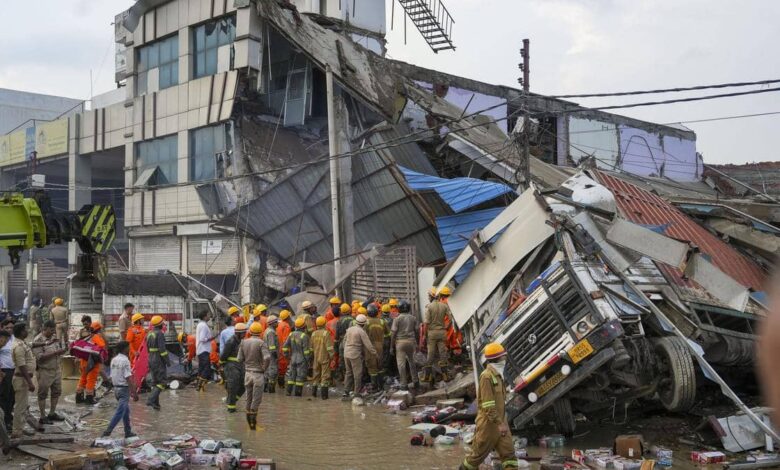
<point x="436" y="314"/>
<point x="24" y="361"/>
<point x="47" y="350"/>
<point x="60" y="315"/>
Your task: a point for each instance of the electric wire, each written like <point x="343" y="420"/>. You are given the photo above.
<point x="666" y="90"/>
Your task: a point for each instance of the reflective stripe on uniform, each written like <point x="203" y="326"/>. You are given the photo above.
<point x="153" y="349"/>
<point x="488" y="404"/>
<point x="231" y="407"/>
<point x="161" y="386"/>
<point x="272" y="348"/>
<point x="512" y="463"/>
<point x="232" y="359"/>
<point x="164" y="353"/>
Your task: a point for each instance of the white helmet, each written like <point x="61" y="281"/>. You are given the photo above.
<point x="361" y="319"/>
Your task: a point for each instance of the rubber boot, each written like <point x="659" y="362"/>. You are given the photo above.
<point x="89" y="400"/>
<point x="249" y="419"/>
<point x="289" y="389"/>
<point x="80" y="397"/>
<point x="417" y="386"/>
<point x="265" y="387"/>
<point x="299" y="390"/>
<point x="252" y="421"/>
<point x="272" y="387"/>
<point x="324" y="393"/>
<point x="314" y="391"/>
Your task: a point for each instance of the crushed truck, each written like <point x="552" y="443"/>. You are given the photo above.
<point x="597" y="312"/>
<point x="167" y="295"/>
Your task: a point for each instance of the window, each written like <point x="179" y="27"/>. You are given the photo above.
<point x="162" y="55"/>
<point x="206" y="40"/>
<point x="205" y="144"/>
<point x="159" y="153"/>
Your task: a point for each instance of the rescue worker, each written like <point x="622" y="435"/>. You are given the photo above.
<point x="23" y="379"/>
<point x="377" y="331"/>
<point x="259" y="314"/>
<point x="158" y="361"/>
<point x="136" y="336"/>
<point x="345" y="321"/>
<point x="254" y="356"/>
<point x="322" y="349"/>
<point x="492" y="432"/>
<point x="386" y="361"/>
<point x="86" y="327"/>
<point x="394" y="308"/>
<point x="90" y="368"/>
<point x="436" y="316"/>
<point x="187" y="344"/>
<point x="356" y="304"/>
<point x="47" y="350"/>
<point x="125" y="321"/>
<point x="204" y="344"/>
<point x="403" y="343"/>
<point x="232" y="369"/>
<point x="283" y="330"/>
<point x="332" y="327"/>
<point x="271" y="339"/>
<point x="298" y="351"/>
<point x="335" y="307"/>
<point x="386" y="310"/>
<point x="60" y="315"/>
<point x="308" y="310"/>
<point x="357" y="346"/>
<point x="35" y="317"/>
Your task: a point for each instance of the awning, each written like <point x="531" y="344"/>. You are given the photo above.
<point x="459" y="193"/>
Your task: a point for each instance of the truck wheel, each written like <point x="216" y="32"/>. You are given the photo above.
<point x="564" y="416"/>
<point x="677" y="387"/>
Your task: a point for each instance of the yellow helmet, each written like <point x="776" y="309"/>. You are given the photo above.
<point x="255" y="328"/>
<point x="181" y="336"/>
<point x="445" y="291"/>
<point x="299" y="322"/>
<point x="240" y="327"/>
<point x="335" y="300"/>
<point x="137" y="317"/>
<point x="58" y="301"/>
<point x="356" y="302"/>
<point x="393" y="302"/>
<point x="345" y="308"/>
<point x="494" y="351"/>
<point x="362" y="311"/>
<point x="232" y="310"/>
<point x="321" y="321"/>
<point x="284" y="314"/>
<point x="156" y="320"/>
<point x="259" y="309"/>
<point x="385" y="308"/>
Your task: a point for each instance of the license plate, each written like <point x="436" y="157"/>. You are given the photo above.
<point x="580" y="351"/>
<point x="549" y="384"/>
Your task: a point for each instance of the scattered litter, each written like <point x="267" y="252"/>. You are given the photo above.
<point x="708" y="457"/>
<point x="552" y="441"/>
<point x="444" y="440"/>
<point x="663" y="455"/>
<point x="629" y="446"/>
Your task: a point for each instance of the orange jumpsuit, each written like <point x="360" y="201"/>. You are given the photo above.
<point x="263" y="322"/>
<point x="282" y="332"/>
<point x="136" y="336"/>
<point x="88" y="378"/>
<point x="190" y="347"/>
<point x="331" y="327"/>
<point x="214" y="356"/>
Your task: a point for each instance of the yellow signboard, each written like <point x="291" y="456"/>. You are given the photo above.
<point x="18" y="140"/>
<point x="5" y="150"/>
<point x="51" y="138"/>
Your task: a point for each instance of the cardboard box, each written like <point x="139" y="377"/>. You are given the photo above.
<point x="396" y="405"/>
<point x="629" y="446"/>
<point x="70" y="461"/>
<point x="708" y="457"/>
<point x="627" y="464"/>
<point x="201" y="459"/>
<point x="265" y="464"/>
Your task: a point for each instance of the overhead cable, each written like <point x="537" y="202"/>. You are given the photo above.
<point x="667" y="90"/>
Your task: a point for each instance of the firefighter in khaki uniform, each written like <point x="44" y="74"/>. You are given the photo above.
<point x="322" y="347"/>
<point x="436" y="316"/>
<point x="271" y="339"/>
<point x="60" y="316"/>
<point x="492" y="428"/>
<point x="254" y="356"/>
<point x="47" y="350"/>
<point x="377" y="331"/>
<point x="22" y="381"/>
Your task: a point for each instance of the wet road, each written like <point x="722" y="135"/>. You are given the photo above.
<point x="298" y="433"/>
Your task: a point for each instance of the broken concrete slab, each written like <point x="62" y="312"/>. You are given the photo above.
<point x="464" y="387"/>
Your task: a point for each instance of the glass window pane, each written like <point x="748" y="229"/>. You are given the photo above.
<point x="154" y="55"/>
<point x="143" y="59"/>
<point x="200" y="38"/>
<point x="141" y="84"/>
<point x="174" y="47"/>
<point x="165" y="51"/>
<point x="165" y="77"/>
<point x="175" y="72"/>
<point x="211" y="34"/>
<point x="211" y="62"/>
<point x="200" y="64"/>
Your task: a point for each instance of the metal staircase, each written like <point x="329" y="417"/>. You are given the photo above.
<point x="432" y="20"/>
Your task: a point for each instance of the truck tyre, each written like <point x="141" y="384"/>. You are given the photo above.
<point x="677" y="387"/>
<point x="564" y="416"/>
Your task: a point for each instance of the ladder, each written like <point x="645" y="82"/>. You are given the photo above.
<point x="432" y="20"/>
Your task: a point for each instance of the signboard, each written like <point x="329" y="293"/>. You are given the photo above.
<point x="5" y="149"/>
<point x="29" y="142"/>
<point x="18" y="145"/>
<point x="211" y="247"/>
<point x="51" y="138"/>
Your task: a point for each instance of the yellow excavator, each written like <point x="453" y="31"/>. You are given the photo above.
<point x="31" y="222"/>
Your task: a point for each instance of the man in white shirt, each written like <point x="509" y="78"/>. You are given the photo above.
<point x="124" y="388"/>
<point x="203" y="339"/>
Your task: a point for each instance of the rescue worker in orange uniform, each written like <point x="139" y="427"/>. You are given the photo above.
<point x="378" y="332"/>
<point x="394" y="311"/>
<point x="332" y="327"/>
<point x="492" y="431"/>
<point x="335" y="307"/>
<point x="356" y="304"/>
<point x="454" y="338"/>
<point x="259" y="314"/>
<point x="188" y="348"/>
<point x="322" y="349"/>
<point x="283" y="330"/>
<point x="136" y="336"/>
<point x="90" y="368"/>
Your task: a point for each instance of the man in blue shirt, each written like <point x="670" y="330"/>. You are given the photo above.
<point x="227" y="333"/>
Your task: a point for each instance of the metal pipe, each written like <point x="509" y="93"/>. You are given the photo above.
<point x="333" y="148"/>
<point x="744" y="185"/>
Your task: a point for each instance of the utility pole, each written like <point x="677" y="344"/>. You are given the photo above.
<point x="333" y="149"/>
<point x="525" y="67"/>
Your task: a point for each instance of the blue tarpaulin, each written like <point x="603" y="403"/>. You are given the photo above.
<point x="456" y="230"/>
<point x="459" y="193"/>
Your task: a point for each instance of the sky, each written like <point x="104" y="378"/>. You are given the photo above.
<point x="577" y="46"/>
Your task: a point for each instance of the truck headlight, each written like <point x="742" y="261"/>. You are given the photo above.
<point x="532" y="397"/>
<point x="582" y="327"/>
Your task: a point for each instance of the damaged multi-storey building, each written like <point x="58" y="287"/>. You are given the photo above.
<point x="232" y="116"/>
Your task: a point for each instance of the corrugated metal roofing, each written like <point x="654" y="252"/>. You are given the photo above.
<point x="455" y="231"/>
<point x="459" y="193"/>
<point x="643" y="207"/>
